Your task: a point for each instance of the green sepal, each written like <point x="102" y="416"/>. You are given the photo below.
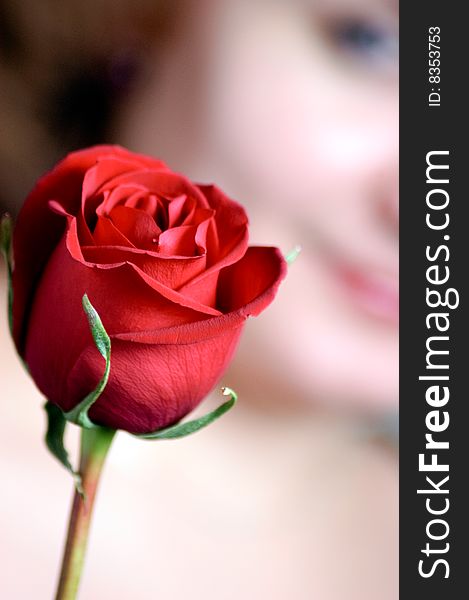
<point x="6" y="228"/>
<point x="293" y="255"/>
<point x="79" y="414"/>
<point x="56" y="424"/>
<point x="182" y="429"/>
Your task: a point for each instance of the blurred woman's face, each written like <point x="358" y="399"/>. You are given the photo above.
<point x="293" y="109"/>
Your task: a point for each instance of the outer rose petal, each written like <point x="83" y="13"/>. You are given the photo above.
<point x="245" y="289"/>
<point x="250" y="285"/>
<point x="150" y="386"/>
<point x="58" y="330"/>
<point x="171" y="272"/>
<point x="38" y="231"/>
<point x="158" y="377"/>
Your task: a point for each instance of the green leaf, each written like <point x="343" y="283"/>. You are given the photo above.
<point x="79" y="414"/>
<point x="55" y="441"/>
<point x="293" y="254"/>
<point x="6" y="228"/>
<point x="182" y="429"/>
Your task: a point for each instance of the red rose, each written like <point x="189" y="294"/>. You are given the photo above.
<point x="166" y="264"/>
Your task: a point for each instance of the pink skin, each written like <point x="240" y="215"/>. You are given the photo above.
<point x="265" y="98"/>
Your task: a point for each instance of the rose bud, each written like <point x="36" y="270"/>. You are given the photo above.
<point x="165" y="263"/>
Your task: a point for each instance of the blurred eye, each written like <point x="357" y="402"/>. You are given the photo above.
<point x="367" y="41"/>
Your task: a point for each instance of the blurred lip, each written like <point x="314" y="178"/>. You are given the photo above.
<point x="373" y="289"/>
<point x="374" y="292"/>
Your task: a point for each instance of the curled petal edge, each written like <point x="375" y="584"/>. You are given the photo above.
<point x="211" y="327"/>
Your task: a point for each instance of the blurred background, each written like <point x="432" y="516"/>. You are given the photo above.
<point x="291" y="106"/>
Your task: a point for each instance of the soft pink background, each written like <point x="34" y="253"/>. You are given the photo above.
<point x="255" y="507"/>
<point x="291" y="106"/>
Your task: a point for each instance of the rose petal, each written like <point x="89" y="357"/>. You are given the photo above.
<point x="175" y="296"/>
<point x="180" y="211"/>
<point x="100" y="176"/>
<point x="123" y="297"/>
<point x="160" y="273"/>
<point x="120" y="195"/>
<point x="106" y="233"/>
<point x="33" y="244"/>
<point x="149" y="203"/>
<point x="230" y="218"/>
<point x="205" y="278"/>
<point x="173" y="272"/>
<point x="202" y="288"/>
<point x="250" y="284"/>
<point x="165" y="383"/>
<point x="108" y="168"/>
<point x="206" y="238"/>
<point x="245" y="289"/>
<point x="137" y="226"/>
<point x="179" y="241"/>
<point x="161" y="182"/>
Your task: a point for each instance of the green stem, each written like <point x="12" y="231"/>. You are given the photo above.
<point x="95" y="444"/>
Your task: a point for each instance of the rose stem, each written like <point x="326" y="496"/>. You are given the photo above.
<point x="95" y="444"/>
